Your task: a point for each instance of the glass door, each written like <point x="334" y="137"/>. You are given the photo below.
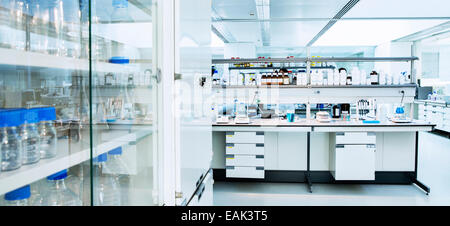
<point x="44" y="107"/>
<point x="124" y="102"/>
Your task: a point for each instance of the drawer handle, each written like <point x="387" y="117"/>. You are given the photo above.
<point x="229" y="133"/>
<point x="229" y="145"/>
<point x="229" y="156"/>
<point x="340" y="146"/>
<point x="259" y="168"/>
<point x="229" y="167"/>
<point x="259" y="133"/>
<point x="260" y="156"/>
<point x="340" y="134"/>
<point x="259" y="145"/>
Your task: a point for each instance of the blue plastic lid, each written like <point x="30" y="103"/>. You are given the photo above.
<point x="47" y="114"/>
<point x="119" y="60"/>
<point x="116" y="151"/>
<point x="10" y="118"/>
<point x="30" y="115"/>
<point x="19" y="194"/>
<point x="101" y="158"/>
<point x="58" y="176"/>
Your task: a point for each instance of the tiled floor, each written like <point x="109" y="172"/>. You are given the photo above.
<point x="434" y="171"/>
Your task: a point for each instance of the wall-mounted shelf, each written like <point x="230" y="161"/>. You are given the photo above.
<point x="309" y="59"/>
<point x="314" y="94"/>
<point x="276" y="68"/>
<point x="16" y="59"/>
<point x="65" y="159"/>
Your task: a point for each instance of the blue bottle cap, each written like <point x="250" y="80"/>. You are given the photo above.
<point x="47" y="114"/>
<point x="400" y="110"/>
<point x="11" y="118"/>
<point x="58" y="176"/>
<point x="18" y="194"/>
<point x="119" y="60"/>
<point x="101" y="158"/>
<point x="116" y="151"/>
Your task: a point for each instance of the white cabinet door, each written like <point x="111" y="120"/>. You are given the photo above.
<point x="354" y="162"/>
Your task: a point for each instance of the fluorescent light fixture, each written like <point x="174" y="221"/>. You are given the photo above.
<point x="216" y="41"/>
<point x="371" y="32"/>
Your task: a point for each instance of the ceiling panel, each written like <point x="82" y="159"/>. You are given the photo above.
<point x="371" y="32"/>
<point x="400" y="8"/>
<point x="305" y="8"/>
<point x="245" y="31"/>
<point x="294" y="33"/>
<point x="235" y="9"/>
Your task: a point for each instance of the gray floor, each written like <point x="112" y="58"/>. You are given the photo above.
<point x="434" y="171"/>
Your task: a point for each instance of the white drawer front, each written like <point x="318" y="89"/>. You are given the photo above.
<point x="356" y="138"/>
<point x="244" y="160"/>
<point x="355" y="162"/>
<point x="245" y="172"/>
<point x="245" y="137"/>
<point x="244" y="149"/>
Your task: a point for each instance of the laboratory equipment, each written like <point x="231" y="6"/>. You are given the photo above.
<point x="11" y="145"/>
<point x="345" y="112"/>
<point x="71" y="43"/>
<point x="336" y="111"/>
<point x="53" y="21"/>
<point x="57" y="193"/>
<point x="47" y="132"/>
<point x="18" y="8"/>
<point x="31" y="142"/>
<point x="106" y="186"/>
<point x="18" y="197"/>
<point x="241" y="114"/>
<point x="323" y="116"/>
<point x="374" y="78"/>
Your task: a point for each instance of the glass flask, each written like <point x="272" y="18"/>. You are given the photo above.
<point x="30" y="137"/>
<point x="11" y="146"/>
<point x="47" y="132"/>
<point x="57" y="193"/>
<point x="106" y="190"/>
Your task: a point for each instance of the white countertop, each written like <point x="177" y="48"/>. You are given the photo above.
<point x="313" y="125"/>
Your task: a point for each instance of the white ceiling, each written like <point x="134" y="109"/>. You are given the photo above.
<point x="312" y="15"/>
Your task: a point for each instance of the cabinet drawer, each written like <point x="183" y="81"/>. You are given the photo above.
<point x="244" y="149"/>
<point x="245" y="137"/>
<point x="244" y="160"/>
<point x="245" y="172"/>
<point x="356" y="138"/>
<point x="354" y="162"/>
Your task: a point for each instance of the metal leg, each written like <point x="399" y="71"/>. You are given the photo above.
<point x="414" y="179"/>
<point x="308" y="151"/>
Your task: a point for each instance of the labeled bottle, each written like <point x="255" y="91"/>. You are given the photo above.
<point x="11" y="144"/>
<point x="264" y="79"/>
<point x="47" y="132"/>
<point x="18" y="197"/>
<point x="374" y="78"/>
<point x="57" y="193"/>
<point x="31" y="141"/>
<point x="285" y="79"/>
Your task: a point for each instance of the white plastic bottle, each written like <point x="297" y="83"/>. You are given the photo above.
<point x="18" y="197"/>
<point x="57" y="193"/>
<point x="363" y="77"/>
<point x="47" y="132"/>
<point x="330" y="77"/>
<point x="356" y="78"/>
<point x="336" y="77"/>
<point x="11" y="145"/>
<point x="106" y="186"/>
<point x="31" y="141"/>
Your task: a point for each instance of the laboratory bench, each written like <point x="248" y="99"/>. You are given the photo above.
<point x="308" y="151"/>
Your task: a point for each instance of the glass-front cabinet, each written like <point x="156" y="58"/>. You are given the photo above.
<point x="78" y="103"/>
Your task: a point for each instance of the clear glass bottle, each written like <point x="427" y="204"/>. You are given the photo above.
<point x="30" y="137"/>
<point x="52" y="30"/>
<point x="18" y="197"/>
<point x="120" y="13"/>
<point x="11" y="145"/>
<point x="57" y="193"/>
<point x="18" y="12"/>
<point x="71" y="42"/>
<point x="47" y="132"/>
<point x="4" y="23"/>
<point x="37" y="40"/>
<point x="115" y="162"/>
<point x="106" y="186"/>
